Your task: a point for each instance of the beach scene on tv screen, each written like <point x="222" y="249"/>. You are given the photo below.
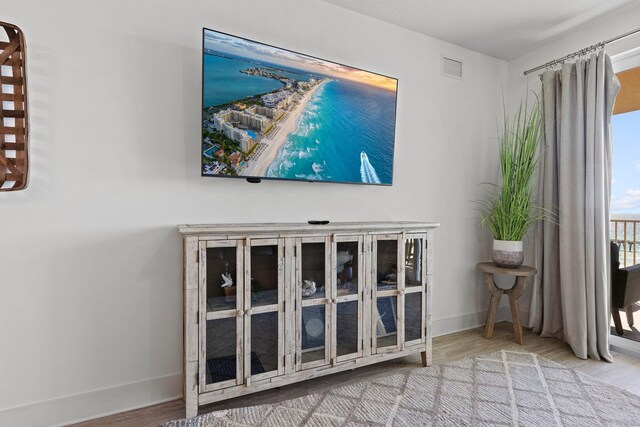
<point x="273" y="113"/>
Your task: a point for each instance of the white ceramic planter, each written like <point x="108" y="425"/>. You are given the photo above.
<point x="507" y="253"/>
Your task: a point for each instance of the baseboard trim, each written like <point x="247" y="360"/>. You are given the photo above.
<point x="450" y="325"/>
<point x="94" y="404"/>
<point x="114" y="400"/>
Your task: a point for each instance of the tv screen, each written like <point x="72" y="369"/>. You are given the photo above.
<point x="277" y="114"/>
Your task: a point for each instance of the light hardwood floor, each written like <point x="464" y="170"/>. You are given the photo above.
<point x="623" y="372"/>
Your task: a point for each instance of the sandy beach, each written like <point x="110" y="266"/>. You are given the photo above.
<point x="277" y="137"/>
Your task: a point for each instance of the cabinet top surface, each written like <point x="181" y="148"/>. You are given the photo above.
<point x="373" y="226"/>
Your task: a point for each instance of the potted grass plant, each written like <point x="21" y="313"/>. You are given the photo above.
<point x="510" y="210"/>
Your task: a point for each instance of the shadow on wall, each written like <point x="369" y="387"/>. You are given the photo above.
<point x="42" y="75"/>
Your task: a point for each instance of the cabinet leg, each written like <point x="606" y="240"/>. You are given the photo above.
<point x="191" y="408"/>
<point x="425" y="362"/>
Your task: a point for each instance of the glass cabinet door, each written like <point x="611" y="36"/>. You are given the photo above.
<point x="313" y="299"/>
<point x="348" y="283"/>
<point x="221" y="314"/>
<point x="263" y="316"/>
<point x="414" y="259"/>
<point x="387" y="295"/>
<point x="415" y="276"/>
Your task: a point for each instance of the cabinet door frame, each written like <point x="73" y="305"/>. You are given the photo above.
<point x="416" y="289"/>
<point x="358" y="296"/>
<point x="249" y="311"/>
<point x="204" y="316"/>
<point x="398" y="293"/>
<point x="313" y="302"/>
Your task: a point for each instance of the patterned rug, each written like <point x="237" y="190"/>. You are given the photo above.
<point x="500" y="389"/>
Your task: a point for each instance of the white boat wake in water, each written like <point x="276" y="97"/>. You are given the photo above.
<point x="367" y="172"/>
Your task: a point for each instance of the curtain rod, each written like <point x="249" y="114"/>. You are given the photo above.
<point x="582" y="52"/>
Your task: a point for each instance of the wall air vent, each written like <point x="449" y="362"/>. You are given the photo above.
<point x="451" y="67"/>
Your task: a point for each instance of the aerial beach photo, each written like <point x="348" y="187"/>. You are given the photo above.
<point x="276" y="138"/>
<point x="273" y="113"/>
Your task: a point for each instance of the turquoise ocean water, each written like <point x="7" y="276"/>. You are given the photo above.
<point x="341" y="121"/>
<point x="345" y="134"/>
<point x="223" y="82"/>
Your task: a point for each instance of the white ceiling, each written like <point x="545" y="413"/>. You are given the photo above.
<point x="504" y="29"/>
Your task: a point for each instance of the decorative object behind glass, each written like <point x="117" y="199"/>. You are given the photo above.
<point x="221" y="280"/>
<point x="347" y="268"/>
<point x="313" y="333"/>
<point x="308" y="288"/>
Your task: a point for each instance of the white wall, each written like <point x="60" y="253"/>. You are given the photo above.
<point x="91" y="282"/>
<point x="604" y="28"/>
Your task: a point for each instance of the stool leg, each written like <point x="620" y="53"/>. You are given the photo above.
<point x="514" y="293"/>
<point x="515" y="318"/>
<point x="496" y="293"/>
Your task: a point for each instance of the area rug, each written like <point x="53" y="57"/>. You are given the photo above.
<point x="505" y="388"/>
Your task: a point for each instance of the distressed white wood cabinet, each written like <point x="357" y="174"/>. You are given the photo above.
<point x="271" y="304"/>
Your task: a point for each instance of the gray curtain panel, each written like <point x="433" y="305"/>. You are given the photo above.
<point x="570" y="298"/>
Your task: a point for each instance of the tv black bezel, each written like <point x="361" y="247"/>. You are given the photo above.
<point x="257" y="179"/>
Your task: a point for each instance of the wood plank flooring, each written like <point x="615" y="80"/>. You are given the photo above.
<point x="624" y="372"/>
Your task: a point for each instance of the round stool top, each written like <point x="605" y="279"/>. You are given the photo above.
<point x="489" y="267"/>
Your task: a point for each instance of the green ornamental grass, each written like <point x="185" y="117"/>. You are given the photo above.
<point x="510" y="211"/>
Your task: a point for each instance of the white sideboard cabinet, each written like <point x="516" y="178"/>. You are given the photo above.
<point x="267" y="305"/>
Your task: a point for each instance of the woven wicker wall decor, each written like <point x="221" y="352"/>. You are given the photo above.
<point x="14" y="136"/>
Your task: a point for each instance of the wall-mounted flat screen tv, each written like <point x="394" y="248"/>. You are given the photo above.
<point x="270" y="113"/>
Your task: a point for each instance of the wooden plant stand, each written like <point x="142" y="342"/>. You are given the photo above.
<point x="522" y="274"/>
